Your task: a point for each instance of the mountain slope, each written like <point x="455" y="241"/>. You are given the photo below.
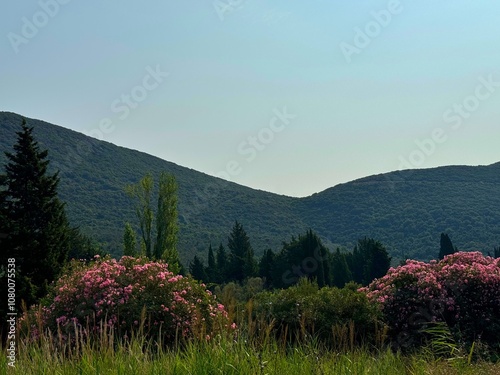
<point x="94" y="173"/>
<point x="406" y="210"/>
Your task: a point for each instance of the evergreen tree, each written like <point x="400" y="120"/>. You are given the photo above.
<point x="266" y="267"/>
<point x="368" y="261"/>
<point x="197" y="269"/>
<point x="377" y="259"/>
<point x="340" y="270"/>
<point x="241" y="259"/>
<point x="36" y="221"/>
<point x="446" y="247"/>
<point x="129" y="241"/>
<point x="302" y="257"/>
<point x="222" y="265"/>
<point x="211" y="270"/>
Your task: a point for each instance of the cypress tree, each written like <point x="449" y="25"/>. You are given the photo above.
<point x="341" y="272"/>
<point x="212" y="266"/>
<point x="197" y="269"/>
<point x="446" y="246"/>
<point x="222" y="271"/>
<point x="266" y="267"/>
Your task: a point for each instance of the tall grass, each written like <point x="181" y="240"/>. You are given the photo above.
<point x="254" y="350"/>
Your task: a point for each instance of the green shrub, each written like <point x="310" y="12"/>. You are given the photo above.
<point x="337" y="317"/>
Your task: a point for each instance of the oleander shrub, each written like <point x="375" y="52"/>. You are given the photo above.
<point x="127" y="296"/>
<point x="462" y="291"/>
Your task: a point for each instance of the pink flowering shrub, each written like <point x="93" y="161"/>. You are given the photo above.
<point x="462" y="290"/>
<point x="115" y="294"/>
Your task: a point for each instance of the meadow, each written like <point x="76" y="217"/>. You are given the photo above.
<point x="134" y="316"/>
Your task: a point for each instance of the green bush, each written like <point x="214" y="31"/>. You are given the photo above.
<point x="336" y="317"/>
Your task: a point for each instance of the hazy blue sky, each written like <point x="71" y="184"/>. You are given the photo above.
<point x="329" y="90"/>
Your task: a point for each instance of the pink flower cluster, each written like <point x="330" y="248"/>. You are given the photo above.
<point x="462" y="290"/>
<point x="114" y="294"/>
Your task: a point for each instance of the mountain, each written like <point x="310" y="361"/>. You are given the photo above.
<point x="405" y="210"/>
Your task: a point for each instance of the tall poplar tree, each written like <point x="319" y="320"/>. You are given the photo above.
<point x="143" y="191"/>
<point x="164" y="224"/>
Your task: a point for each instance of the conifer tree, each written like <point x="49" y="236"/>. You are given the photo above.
<point x="446" y="246"/>
<point x="197" y="269"/>
<point x="242" y="263"/>
<point x="266" y="267"/>
<point x="222" y="265"/>
<point x="340" y="270"/>
<point x="36" y="222"/>
<point x="211" y="270"/>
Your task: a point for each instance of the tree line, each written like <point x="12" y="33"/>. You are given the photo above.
<point x="304" y="256"/>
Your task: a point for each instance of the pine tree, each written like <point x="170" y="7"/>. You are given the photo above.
<point x="446" y="246"/>
<point x="129" y="241"/>
<point x="36" y="222"/>
<point x="241" y="259"/>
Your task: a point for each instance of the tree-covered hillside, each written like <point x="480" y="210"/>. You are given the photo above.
<point x="94" y="175"/>
<point x="406" y="210"/>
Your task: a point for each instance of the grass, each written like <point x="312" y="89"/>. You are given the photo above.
<point x="225" y="355"/>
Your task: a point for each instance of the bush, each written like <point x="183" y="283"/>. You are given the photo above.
<point x="130" y="295"/>
<point x="329" y="314"/>
<point x="462" y="290"/>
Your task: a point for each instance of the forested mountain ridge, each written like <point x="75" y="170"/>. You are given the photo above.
<point x="406" y="210"/>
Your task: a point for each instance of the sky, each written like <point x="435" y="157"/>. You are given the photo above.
<point x="291" y="97"/>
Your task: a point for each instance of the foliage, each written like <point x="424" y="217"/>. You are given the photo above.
<point x="368" y="261"/>
<point x="446" y="246"/>
<point x="33" y="217"/>
<point x="130" y="295"/>
<point x="321" y="313"/>
<point x="129" y="241"/>
<point x="462" y="290"/>
<point x="405" y="210"/>
<point x="242" y="264"/>
<point x="165" y="220"/>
